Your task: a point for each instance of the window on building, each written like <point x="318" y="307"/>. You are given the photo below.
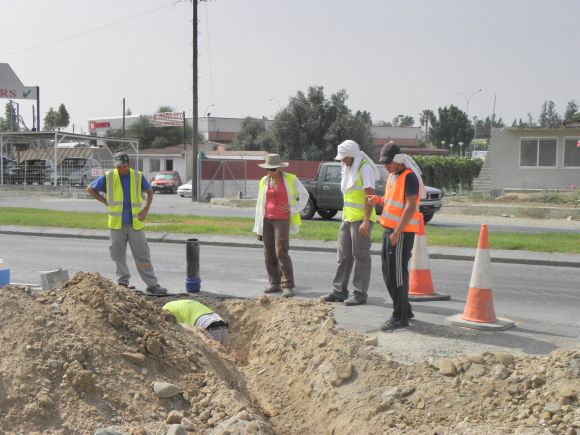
<point x="154" y="165"/>
<point x="571" y="152"/>
<point x="169" y="165"/>
<point x="538" y="152"/>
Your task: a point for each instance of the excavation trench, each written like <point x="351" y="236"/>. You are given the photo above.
<point x="92" y="355"/>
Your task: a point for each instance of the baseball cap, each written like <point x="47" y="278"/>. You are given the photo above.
<point x="121" y="158"/>
<point x="388" y="152"/>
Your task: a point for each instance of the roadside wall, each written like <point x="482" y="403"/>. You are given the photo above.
<point x="228" y="178"/>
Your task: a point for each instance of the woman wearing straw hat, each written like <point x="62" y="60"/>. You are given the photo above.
<point x="281" y="197"/>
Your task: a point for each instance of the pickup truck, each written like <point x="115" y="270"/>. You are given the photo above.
<point x="326" y="196"/>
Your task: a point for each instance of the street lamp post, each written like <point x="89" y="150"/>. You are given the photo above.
<point x="467" y="100"/>
<point x="205" y="110"/>
<point x="460" y="147"/>
<point x="474" y="131"/>
<point x="451" y="148"/>
<point x="273" y="100"/>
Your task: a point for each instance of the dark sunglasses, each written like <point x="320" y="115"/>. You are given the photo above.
<point x="272" y="169"/>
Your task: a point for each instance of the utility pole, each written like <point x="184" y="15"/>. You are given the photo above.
<point x="123" y="118"/>
<point x="38" y="108"/>
<point x="194" y="183"/>
<point x="184" y="133"/>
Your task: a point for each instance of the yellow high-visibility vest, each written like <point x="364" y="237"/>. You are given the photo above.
<point x="187" y="311"/>
<point x="114" y="196"/>
<point x="289" y="180"/>
<point x="353" y="209"/>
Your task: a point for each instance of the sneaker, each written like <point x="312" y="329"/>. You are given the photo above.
<point x="156" y="289"/>
<point x="287" y="292"/>
<point x="391" y="326"/>
<point x="355" y="300"/>
<point x="333" y="297"/>
<point x="390" y="320"/>
<point x="273" y="289"/>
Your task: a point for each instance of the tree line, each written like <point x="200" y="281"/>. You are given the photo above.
<point x="312" y="124"/>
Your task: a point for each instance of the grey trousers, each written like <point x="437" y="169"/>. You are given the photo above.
<point x="354" y="250"/>
<point x="139" y="249"/>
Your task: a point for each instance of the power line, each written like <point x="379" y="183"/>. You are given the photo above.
<point x="76" y="35"/>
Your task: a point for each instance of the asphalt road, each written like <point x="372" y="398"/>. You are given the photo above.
<point x="543" y="301"/>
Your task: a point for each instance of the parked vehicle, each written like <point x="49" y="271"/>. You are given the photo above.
<point x="36" y="171"/>
<point x="166" y="181"/>
<point x="79" y="171"/>
<point x="10" y="170"/>
<point x="185" y="190"/>
<point x="326" y="196"/>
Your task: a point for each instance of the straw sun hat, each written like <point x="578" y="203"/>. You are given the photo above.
<point x="273" y="161"/>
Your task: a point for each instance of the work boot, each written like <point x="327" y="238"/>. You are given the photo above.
<point x="355" y="300"/>
<point x="287" y="292"/>
<point x="127" y="286"/>
<point x="156" y="289"/>
<point x="273" y="289"/>
<point x="333" y="297"/>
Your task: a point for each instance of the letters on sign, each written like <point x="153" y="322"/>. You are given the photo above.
<point x="7" y="93"/>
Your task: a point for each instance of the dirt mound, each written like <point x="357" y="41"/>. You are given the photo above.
<point x="92" y="355"/>
<point x="86" y="356"/>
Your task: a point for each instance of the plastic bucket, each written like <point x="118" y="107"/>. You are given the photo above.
<point x="4" y="273"/>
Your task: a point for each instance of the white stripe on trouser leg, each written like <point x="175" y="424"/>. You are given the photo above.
<point x="399" y="261"/>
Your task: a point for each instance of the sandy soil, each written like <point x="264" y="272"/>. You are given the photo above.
<point x="95" y="358"/>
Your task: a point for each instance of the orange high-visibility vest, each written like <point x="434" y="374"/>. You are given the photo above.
<point x="394" y="204"/>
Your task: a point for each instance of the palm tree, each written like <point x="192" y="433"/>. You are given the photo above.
<point x="427" y="116"/>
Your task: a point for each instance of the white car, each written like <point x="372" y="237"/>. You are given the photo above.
<point x="185" y="190"/>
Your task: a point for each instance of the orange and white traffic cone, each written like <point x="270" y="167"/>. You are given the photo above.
<point x="420" y="280"/>
<point x="479" y="312"/>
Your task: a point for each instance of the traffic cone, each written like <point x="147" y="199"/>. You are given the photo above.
<point x="479" y="312"/>
<point x="420" y="281"/>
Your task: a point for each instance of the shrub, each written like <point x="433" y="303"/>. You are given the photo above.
<point x="450" y="173"/>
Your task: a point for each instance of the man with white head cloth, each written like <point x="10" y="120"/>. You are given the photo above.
<point x="359" y="175"/>
<point x="400" y="218"/>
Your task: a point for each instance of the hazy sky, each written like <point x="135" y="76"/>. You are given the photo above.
<point x="391" y="56"/>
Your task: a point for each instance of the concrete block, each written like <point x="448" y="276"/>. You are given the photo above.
<point x="52" y="279"/>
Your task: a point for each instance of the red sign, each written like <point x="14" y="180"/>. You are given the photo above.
<point x="94" y="125"/>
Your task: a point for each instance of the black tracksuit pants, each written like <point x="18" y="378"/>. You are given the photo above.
<point x="395" y="264"/>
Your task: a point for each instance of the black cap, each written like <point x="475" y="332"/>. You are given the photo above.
<point x="121" y="159"/>
<point x="388" y="152"/>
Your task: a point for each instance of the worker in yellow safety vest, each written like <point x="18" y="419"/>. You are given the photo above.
<point x="123" y="188"/>
<point x="281" y="198"/>
<point x="358" y="177"/>
<point x="194" y="313"/>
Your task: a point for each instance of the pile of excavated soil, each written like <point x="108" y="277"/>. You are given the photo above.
<point x="92" y="355"/>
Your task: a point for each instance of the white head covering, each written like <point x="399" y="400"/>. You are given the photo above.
<point x="408" y="161"/>
<point x="349" y="148"/>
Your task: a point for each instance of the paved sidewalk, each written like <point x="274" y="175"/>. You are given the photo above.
<point x="436" y="252"/>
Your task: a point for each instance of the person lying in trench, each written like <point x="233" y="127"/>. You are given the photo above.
<point x="193" y="313"/>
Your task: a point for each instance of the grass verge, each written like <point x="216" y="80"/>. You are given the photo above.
<point x="239" y="226"/>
